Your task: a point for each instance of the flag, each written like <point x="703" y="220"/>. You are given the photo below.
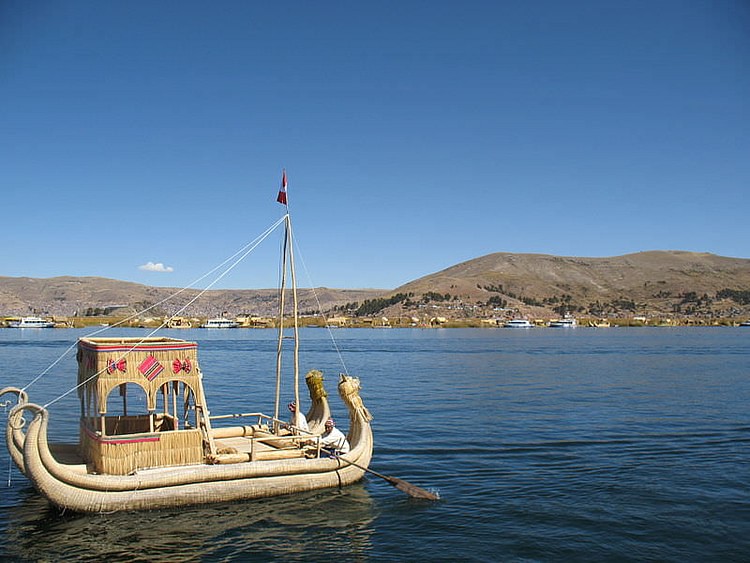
<point x="281" y="198"/>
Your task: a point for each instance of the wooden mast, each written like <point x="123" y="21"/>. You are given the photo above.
<point x="282" y="297"/>
<point x="287" y="254"/>
<point x="296" y="313"/>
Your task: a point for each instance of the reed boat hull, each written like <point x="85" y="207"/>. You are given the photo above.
<point x="71" y="487"/>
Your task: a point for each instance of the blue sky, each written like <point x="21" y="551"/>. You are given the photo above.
<point x="416" y="135"/>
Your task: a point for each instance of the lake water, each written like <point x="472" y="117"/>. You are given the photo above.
<point x="544" y="445"/>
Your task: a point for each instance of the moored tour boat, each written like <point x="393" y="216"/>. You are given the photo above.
<point x="175" y="452"/>
<point x="220" y="322"/>
<point x="567" y="322"/>
<point x="30" y="322"/>
<point x="518" y="323"/>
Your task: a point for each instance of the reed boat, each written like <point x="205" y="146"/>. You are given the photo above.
<point x="174" y="455"/>
<point x="148" y="439"/>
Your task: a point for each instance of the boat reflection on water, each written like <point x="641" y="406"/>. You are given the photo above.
<point x="334" y="522"/>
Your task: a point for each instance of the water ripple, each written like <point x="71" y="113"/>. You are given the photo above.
<point x="584" y="445"/>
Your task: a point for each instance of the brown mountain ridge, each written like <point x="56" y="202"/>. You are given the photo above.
<point x="675" y="282"/>
<point x="81" y="296"/>
<point x="656" y="281"/>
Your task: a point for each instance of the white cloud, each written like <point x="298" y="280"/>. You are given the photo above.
<point x="158" y="267"/>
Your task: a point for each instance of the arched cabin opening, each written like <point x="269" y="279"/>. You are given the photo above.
<point x="142" y="404"/>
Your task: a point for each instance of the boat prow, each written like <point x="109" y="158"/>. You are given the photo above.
<point x="14" y="434"/>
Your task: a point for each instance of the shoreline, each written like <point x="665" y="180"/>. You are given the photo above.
<point x="582" y="322"/>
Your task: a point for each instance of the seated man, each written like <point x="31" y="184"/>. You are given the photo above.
<point x="333" y="440"/>
<point x="298" y="419"/>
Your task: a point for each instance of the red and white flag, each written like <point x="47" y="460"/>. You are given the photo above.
<point x="281" y="198"/>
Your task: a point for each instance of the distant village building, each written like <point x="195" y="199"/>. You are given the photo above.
<point x="338" y="321"/>
<point x="253" y="321"/>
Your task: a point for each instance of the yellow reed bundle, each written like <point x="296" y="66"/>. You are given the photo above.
<point x="314" y="380"/>
<point x="349" y="391"/>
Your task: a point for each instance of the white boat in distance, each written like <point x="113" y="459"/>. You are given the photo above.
<point x="220" y="323"/>
<point x="31" y="322"/>
<point x="518" y="323"/>
<point x="563" y="323"/>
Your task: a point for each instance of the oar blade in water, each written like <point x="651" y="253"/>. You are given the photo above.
<point x="412" y="490"/>
<point x="400" y="484"/>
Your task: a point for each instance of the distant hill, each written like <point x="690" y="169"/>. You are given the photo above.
<point x="663" y="281"/>
<point x="68" y="296"/>
<point x="669" y="282"/>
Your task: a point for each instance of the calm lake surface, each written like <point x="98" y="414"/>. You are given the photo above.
<point x="544" y="445"/>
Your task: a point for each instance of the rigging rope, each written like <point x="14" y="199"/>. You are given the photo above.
<point x="344" y="369"/>
<point x="235" y="259"/>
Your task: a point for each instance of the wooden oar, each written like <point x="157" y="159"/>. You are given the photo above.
<point x="400" y="484"/>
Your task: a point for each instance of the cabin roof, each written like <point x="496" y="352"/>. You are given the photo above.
<point x="105" y="363"/>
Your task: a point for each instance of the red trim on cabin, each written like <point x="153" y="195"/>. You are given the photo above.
<point x="143" y="347"/>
